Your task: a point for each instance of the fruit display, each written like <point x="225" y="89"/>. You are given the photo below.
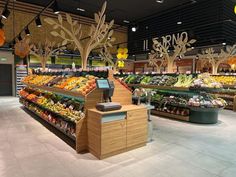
<point x="206" y="101"/>
<point x="225" y="80"/>
<point x="82" y="85"/>
<point x="38" y="79"/>
<point x="206" y="81"/>
<point x="69" y="109"/>
<point x="56" y="121"/>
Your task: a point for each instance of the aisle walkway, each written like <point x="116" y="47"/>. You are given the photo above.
<point x="179" y="149"/>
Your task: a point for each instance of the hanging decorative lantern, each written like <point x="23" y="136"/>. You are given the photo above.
<point x="22" y="48"/>
<point x="2" y="37"/>
<point x="232" y="61"/>
<point x="122" y="54"/>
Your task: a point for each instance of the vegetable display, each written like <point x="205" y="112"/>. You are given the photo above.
<point x="206" y="101"/>
<point x="184" y="81"/>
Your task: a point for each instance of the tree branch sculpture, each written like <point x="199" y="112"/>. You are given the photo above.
<point x="215" y="59"/>
<point x="44" y="51"/>
<point x="106" y="56"/>
<point x="154" y="60"/>
<point x="180" y="43"/>
<point x="100" y="34"/>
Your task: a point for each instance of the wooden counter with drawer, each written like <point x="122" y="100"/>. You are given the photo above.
<point x="114" y="132"/>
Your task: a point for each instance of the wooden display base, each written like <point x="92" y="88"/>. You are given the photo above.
<point x="169" y="115"/>
<point x="114" y="132"/>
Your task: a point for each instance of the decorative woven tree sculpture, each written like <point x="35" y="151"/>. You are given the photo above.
<point x="106" y="56"/>
<point x="182" y="45"/>
<point x="155" y="61"/>
<point x="215" y="59"/>
<point x="100" y="34"/>
<point x="44" y="51"/>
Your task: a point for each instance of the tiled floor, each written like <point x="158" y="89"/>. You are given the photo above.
<point x="179" y="149"/>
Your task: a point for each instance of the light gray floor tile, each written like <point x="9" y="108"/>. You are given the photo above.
<point x="179" y="149"/>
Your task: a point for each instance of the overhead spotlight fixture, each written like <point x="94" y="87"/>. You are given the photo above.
<point x="55" y="8"/>
<point x="179" y="23"/>
<point x="224" y="43"/>
<point x="133" y="55"/>
<point x="19" y="37"/>
<point x="38" y="22"/>
<point x="193" y="1"/>
<point x="160" y="1"/>
<point x="192" y="47"/>
<point x="5" y="13"/>
<point x="126" y="21"/>
<point x="27" y="31"/>
<point x="80" y="9"/>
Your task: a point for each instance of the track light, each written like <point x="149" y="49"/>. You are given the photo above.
<point x="19" y="37"/>
<point x="160" y="1"/>
<point x="38" y="22"/>
<point x="55" y="8"/>
<point x="27" y="31"/>
<point x="5" y="13"/>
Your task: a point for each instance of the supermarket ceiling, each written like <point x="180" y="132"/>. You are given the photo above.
<point x="120" y="10"/>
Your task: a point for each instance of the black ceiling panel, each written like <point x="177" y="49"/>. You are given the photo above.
<point x="119" y="10"/>
<point x="210" y="22"/>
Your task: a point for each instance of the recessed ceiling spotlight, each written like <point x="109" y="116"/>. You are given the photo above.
<point x="192" y="47"/>
<point x="126" y="21"/>
<point x="224" y="43"/>
<point x="80" y="9"/>
<point x="179" y="23"/>
<point x="160" y="1"/>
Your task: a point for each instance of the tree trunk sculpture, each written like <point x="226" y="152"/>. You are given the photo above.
<point x="215" y="59"/>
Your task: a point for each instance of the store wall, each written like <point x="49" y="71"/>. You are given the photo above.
<point x="24" y="13"/>
<point x="6" y="57"/>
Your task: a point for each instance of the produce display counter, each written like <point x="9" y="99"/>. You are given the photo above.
<point x="178" y="110"/>
<point x="118" y="131"/>
<point x="102" y="133"/>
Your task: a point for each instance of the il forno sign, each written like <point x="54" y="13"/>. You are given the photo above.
<point x="168" y="40"/>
